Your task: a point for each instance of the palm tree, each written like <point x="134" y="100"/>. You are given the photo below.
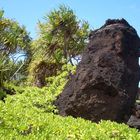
<point x="62" y="37"/>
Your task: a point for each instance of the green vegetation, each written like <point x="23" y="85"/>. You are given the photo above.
<point x="62" y="38"/>
<point x="27" y="112"/>
<point x="14" y="40"/>
<point x="30" y="115"/>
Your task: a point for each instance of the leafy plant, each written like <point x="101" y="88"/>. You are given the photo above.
<point x="2" y="94"/>
<point x="32" y="116"/>
<point x="62" y="38"/>
<point x="14" y="40"/>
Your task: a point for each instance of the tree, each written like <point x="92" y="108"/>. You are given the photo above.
<point x="62" y="37"/>
<point x="14" y="40"/>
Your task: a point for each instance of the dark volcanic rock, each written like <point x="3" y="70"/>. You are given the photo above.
<point x="106" y="81"/>
<point x="139" y="93"/>
<point x="134" y="120"/>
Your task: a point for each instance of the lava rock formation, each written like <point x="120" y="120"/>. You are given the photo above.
<point x="106" y="81"/>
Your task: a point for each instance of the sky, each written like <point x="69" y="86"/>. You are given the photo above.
<point x="29" y="12"/>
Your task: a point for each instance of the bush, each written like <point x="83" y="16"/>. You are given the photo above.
<point x="2" y="94"/>
<point x="31" y="116"/>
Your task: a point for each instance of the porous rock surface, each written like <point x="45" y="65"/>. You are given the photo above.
<point x="106" y="81"/>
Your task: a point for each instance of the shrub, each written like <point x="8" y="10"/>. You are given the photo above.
<point x="31" y="116"/>
<point x="2" y="94"/>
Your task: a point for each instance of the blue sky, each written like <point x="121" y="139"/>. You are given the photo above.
<point x="28" y="12"/>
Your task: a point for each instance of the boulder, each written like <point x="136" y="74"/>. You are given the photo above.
<point x="106" y="81"/>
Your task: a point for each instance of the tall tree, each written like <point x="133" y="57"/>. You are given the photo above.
<point x="62" y="35"/>
<point x="62" y="38"/>
<point x="14" y="40"/>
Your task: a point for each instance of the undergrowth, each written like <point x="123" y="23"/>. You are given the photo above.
<point x="30" y="115"/>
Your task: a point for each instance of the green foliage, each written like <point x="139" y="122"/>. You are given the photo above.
<point x="30" y="115"/>
<point x="62" y="37"/>
<point x="13" y="39"/>
<point x="8" y="69"/>
<point x="4" y="67"/>
<point x="2" y="94"/>
<point x="61" y="77"/>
